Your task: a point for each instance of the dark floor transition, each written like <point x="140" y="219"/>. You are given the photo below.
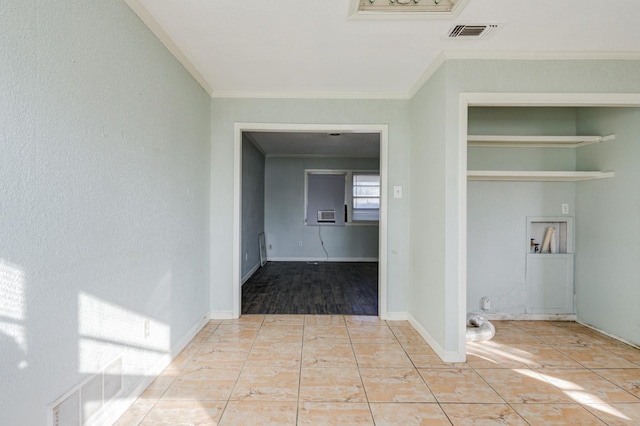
<point x="339" y="288"/>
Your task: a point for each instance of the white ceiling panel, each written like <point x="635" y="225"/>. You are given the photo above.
<point x="312" y="48"/>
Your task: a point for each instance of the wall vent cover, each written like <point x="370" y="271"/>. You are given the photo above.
<point x="87" y="403"/>
<point x="471" y="31"/>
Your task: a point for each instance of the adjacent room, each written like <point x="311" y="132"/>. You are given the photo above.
<point x="310" y="215"/>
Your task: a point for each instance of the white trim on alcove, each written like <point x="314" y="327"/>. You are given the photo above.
<point x="467" y="100"/>
<point x="239" y="128"/>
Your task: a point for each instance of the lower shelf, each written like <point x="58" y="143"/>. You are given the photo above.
<point x="535" y="176"/>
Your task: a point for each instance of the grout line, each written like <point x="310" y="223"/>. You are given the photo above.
<point x="179" y="373"/>
<point x="241" y="369"/>
<point x="496" y="391"/>
<point x="476" y="370"/>
<point x="304" y="326"/>
<point x="435" y="398"/>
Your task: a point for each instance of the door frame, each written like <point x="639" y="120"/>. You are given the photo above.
<point x="240" y="127"/>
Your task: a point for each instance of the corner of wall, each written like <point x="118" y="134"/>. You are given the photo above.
<point x="445" y="356"/>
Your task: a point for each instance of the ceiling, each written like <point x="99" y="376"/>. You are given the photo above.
<point x="346" y="144"/>
<point x="304" y="48"/>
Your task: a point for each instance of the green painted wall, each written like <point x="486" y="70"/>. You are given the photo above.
<point x="497" y="211"/>
<point x="427" y="210"/>
<point x="441" y="134"/>
<point x="103" y="202"/>
<point x="608" y="224"/>
<point x="226" y="112"/>
<point x="253" y="167"/>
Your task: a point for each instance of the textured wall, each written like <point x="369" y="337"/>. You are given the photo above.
<point x="608" y="224"/>
<point x="485" y="76"/>
<point x="252" y="204"/>
<point x="103" y="202"/>
<point x="427" y="202"/>
<point x="497" y="211"/>
<point x="284" y="221"/>
<point x="226" y="112"/>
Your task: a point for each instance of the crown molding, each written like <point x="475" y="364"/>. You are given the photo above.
<point x="310" y="95"/>
<point x="427" y="74"/>
<point x="149" y="20"/>
<point x="542" y="55"/>
<point x="519" y="55"/>
<point x="434" y="66"/>
<point x="449" y="54"/>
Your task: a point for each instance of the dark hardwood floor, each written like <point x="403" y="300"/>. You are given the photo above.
<point x="339" y="288"/>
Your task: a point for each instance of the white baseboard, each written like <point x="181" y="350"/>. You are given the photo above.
<point x="322" y="259"/>
<point x="445" y="356"/>
<point x="250" y="273"/>
<point x="221" y="315"/>
<point x="613" y="336"/>
<point x="113" y="412"/>
<point x="498" y="316"/>
<point x="395" y="316"/>
<point x="189" y="336"/>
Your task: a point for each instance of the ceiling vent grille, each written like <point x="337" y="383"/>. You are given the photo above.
<point x="471" y="31"/>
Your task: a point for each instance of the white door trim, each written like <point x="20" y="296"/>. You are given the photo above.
<point x="239" y="128"/>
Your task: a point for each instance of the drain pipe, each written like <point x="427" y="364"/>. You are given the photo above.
<point x="479" y="328"/>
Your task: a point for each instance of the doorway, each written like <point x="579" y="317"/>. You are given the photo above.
<point x="335" y="131"/>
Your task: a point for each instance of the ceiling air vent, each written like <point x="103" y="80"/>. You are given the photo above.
<point x="471" y="31"/>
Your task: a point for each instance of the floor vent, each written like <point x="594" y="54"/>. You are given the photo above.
<point x="85" y="403"/>
<point x="471" y="31"/>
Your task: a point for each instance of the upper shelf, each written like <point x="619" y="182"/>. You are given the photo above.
<point x="537" y="176"/>
<point x="510" y="141"/>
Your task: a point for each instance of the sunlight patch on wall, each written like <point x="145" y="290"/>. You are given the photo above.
<point x="12" y="308"/>
<point x="107" y="331"/>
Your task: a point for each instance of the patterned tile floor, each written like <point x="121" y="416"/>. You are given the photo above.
<point x="350" y="370"/>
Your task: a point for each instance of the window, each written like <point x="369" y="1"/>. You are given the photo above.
<point x="325" y="199"/>
<point x="339" y="197"/>
<point x="366" y="197"/>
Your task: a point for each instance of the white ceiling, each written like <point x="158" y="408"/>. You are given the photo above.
<point x="345" y="144"/>
<point x="311" y="48"/>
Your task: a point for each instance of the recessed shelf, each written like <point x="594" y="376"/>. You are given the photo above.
<point x="539" y="176"/>
<point x="519" y="141"/>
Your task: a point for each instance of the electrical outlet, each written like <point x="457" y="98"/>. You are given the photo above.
<point x="565" y="208"/>
<point x="147" y="328"/>
<point x="485" y="303"/>
<point x="299" y="243"/>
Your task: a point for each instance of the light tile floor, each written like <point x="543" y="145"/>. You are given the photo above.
<point x="350" y="370"/>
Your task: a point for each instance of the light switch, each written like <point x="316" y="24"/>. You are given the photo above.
<point x="565" y="208"/>
<point x="397" y="192"/>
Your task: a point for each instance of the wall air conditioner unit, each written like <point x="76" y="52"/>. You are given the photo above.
<point x="326" y="216"/>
